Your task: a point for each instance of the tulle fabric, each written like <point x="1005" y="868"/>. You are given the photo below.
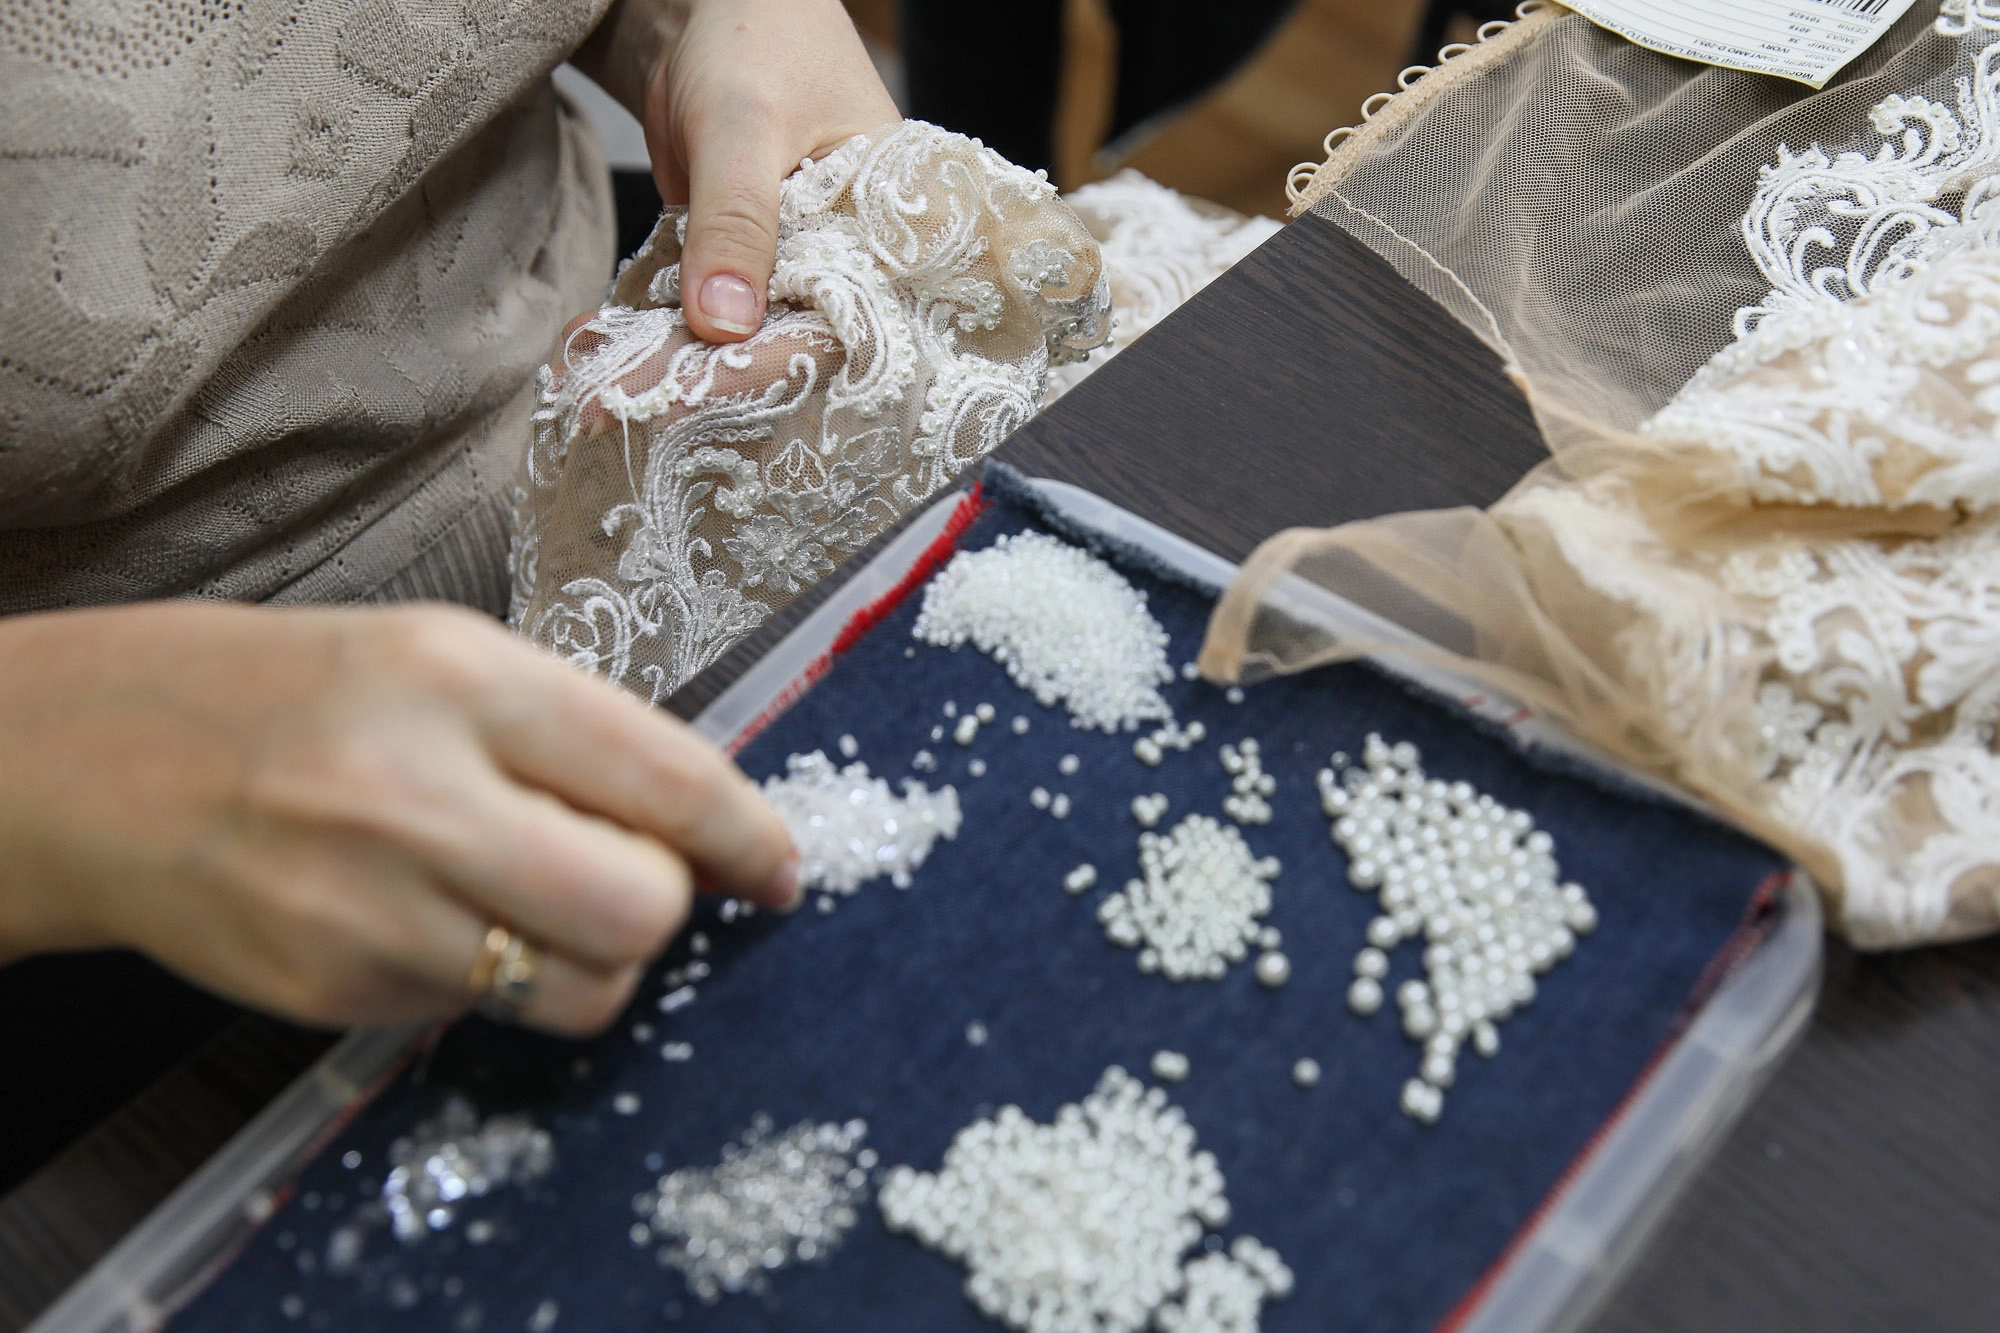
<point x="1760" y="330"/>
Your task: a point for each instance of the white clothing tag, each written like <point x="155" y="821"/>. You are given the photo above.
<point x="1806" y="40"/>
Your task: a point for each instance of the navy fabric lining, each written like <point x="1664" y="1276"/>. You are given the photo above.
<point x="863" y="1012"/>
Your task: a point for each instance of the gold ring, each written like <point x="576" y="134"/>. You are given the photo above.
<point x="503" y="976"/>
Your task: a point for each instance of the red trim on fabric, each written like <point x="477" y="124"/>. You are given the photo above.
<point x="969" y="509"/>
<point x="1758" y="918"/>
<point x="940" y="550"/>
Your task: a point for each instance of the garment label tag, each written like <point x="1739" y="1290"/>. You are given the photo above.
<point x="1806" y="40"/>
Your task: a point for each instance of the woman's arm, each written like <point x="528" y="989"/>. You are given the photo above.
<point x="732" y="95"/>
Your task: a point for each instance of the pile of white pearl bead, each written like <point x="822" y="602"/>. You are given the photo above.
<point x="1197" y="908"/>
<point x="1250" y="786"/>
<point x="455" y="1156"/>
<point x="1475" y="879"/>
<point x="771" y="1202"/>
<point x="1065" y="625"/>
<point x="1077" y="1226"/>
<point x="850" y="828"/>
<point x="1225" y="1293"/>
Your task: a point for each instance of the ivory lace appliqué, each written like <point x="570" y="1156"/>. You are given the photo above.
<point x="1840" y="657"/>
<point x="676" y="492"/>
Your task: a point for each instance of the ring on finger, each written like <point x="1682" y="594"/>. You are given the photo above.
<point x="503" y="976"/>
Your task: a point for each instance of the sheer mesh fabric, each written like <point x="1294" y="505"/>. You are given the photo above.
<point x="1760" y="328"/>
<point x="677" y="492"/>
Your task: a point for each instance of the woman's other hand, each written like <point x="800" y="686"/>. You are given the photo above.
<point x="323" y="812"/>
<point x="733" y="94"/>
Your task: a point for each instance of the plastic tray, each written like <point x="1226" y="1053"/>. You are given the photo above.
<point x="1557" y="1274"/>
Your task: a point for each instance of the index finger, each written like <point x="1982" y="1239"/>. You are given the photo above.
<point x="601" y="750"/>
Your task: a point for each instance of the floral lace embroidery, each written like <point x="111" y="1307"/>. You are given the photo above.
<point x="1850" y="669"/>
<point x="675" y="493"/>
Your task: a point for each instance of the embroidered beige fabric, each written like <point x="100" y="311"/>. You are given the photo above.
<point x="276" y="277"/>
<point x="677" y="492"/>
<point x="1760" y="329"/>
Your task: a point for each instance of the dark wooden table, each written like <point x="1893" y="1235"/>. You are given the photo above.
<point x="1312" y="385"/>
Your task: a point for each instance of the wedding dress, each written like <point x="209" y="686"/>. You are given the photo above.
<point x="1764" y="558"/>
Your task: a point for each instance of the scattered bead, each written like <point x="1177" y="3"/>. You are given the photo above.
<point x="1305" y="1072"/>
<point x="976" y="768"/>
<point x="1273" y="969"/>
<point x="1421" y="1101"/>
<point x="1233" y="695"/>
<point x="1064" y="625"/>
<point x="1039" y="798"/>
<point x="937" y="734"/>
<point x="1080" y="880"/>
<point x="1250" y="785"/>
<point x="849" y="827"/>
<point x="984" y="712"/>
<point x="769" y="1203"/>
<point x="825" y="904"/>
<point x="849" y="747"/>
<point x="1199" y="903"/>
<point x="1148" y="751"/>
<point x="1149" y="810"/>
<point x="1189" y="671"/>
<point x="1474" y="880"/>
<point x="950" y="708"/>
<point x="1068" y="764"/>
<point x="975" y="1033"/>
<point x="1269" y="938"/>
<point x="351" y="1159"/>
<point x="698" y="943"/>
<point x="1020" y="726"/>
<point x="1059" y="805"/>
<point x="966" y="730"/>
<point x="626" y="1103"/>
<point x="1169" y="1066"/>
<point x="677" y="999"/>
<point x="677" y="1052"/>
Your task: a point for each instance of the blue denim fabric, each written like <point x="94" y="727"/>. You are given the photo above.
<point x="863" y="1012"/>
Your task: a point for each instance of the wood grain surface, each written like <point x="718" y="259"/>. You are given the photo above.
<point x="1311" y="385"/>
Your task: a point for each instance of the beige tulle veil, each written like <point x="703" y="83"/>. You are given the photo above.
<point x="1759" y="327"/>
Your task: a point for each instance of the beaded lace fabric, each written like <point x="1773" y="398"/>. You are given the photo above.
<point x="676" y="492"/>
<point x="1758" y="327"/>
<point x="1160" y="247"/>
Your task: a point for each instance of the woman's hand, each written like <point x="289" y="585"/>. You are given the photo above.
<point x="322" y="813"/>
<point x="733" y="94"/>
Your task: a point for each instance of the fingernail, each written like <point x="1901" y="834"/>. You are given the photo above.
<point x="731" y="304"/>
<point x="785" y="894"/>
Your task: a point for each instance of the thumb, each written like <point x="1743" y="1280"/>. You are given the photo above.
<point x="732" y="242"/>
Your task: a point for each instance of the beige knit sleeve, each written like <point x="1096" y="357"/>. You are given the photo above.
<point x="261" y="264"/>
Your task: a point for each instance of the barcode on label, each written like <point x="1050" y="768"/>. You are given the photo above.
<point x="1857" y="6"/>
